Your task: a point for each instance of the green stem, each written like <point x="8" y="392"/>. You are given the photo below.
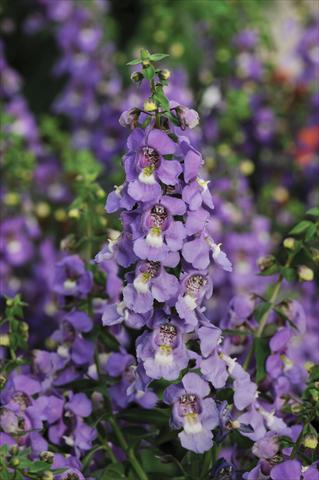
<point x="264" y="318"/>
<point x="129" y="452"/>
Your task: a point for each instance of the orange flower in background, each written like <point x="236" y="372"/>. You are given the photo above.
<point x="307" y="145"/>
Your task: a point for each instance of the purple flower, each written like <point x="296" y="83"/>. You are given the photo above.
<point x="195" y="285"/>
<point x="198" y="251"/>
<point x="71" y="277"/>
<point x="145" y="165"/>
<point x="151" y="282"/>
<point x="163" y="351"/>
<point x="162" y="234"/>
<point x="132" y="385"/>
<point x="289" y="469"/>
<point x="193" y="412"/>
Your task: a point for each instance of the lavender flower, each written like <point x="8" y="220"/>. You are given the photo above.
<point x="196" y="414"/>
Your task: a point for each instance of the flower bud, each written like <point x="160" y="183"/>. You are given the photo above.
<point x="129" y="118"/>
<point x="3" y="380"/>
<point x="14" y="449"/>
<point x="137" y="77"/>
<point x="150" y="105"/>
<point x="305" y="273"/>
<point x="265" y="262"/>
<point x="60" y="215"/>
<point x="11" y="198"/>
<point x="311" y="440"/>
<point x="145" y="63"/>
<point x="4" y="340"/>
<point x="42" y="209"/>
<point x="296" y="408"/>
<point x="47" y="476"/>
<point x="14" y="461"/>
<point x="164" y="74"/>
<point x="47" y="456"/>
<point x="315" y="254"/>
<point x="247" y="167"/>
<point x="187" y="117"/>
<point x="309" y="366"/>
<point x="289" y="243"/>
<point x="74" y="213"/>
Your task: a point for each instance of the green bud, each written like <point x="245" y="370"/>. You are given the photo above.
<point x="310" y="441"/>
<point x="296" y="408"/>
<point x="289" y="243"/>
<point x="4" y="340"/>
<point x="164" y="74"/>
<point x="3" y="380"/>
<point x="14" y="461"/>
<point x="145" y="54"/>
<point x="315" y="255"/>
<point x="47" y="476"/>
<point x="149" y="105"/>
<point x="14" y="449"/>
<point x="305" y="273"/>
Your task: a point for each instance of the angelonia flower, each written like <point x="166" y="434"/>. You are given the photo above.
<point x="170" y="256"/>
<point x="91" y="93"/>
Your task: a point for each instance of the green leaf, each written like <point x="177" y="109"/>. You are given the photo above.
<point x="161" y="99"/>
<point x="134" y="62"/>
<point x="269" y="271"/>
<point x="111" y="472"/>
<point x="156" y="416"/>
<point x="313" y="211"/>
<point x="149" y="72"/>
<point x="301" y="227"/>
<point x="314" y="374"/>
<point x="152" y="462"/>
<point x="261" y="351"/>
<point x="289" y="273"/>
<point x="311" y="232"/>
<point x="156" y="57"/>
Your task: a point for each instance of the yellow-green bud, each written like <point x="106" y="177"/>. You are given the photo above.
<point x="60" y="215"/>
<point x="247" y="167"/>
<point x="3" y="380"/>
<point x="289" y="243"/>
<point x="309" y="366"/>
<point x="4" y="340"/>
<point x="296" y="408"/>
<point x="137" y="77"/>
<point x="177" y="49"/>
<point x="42" y="209"/>
<point x="11" y="198"/>
<point x="164" y="74"/>
<point x="100" y="193"/>
<point x="150" y="105"/>
<point x="145" y="63"/>
<point x="14" y="449"/>
<point x="315" y="254"/>
<point x="74" y="213"/>
<point x="305" y="273"/>
<point x="47" y="456"/>
<point x="14" y="461"/>
<point x="47" y="476"/>
<point x="310" y="441"/>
